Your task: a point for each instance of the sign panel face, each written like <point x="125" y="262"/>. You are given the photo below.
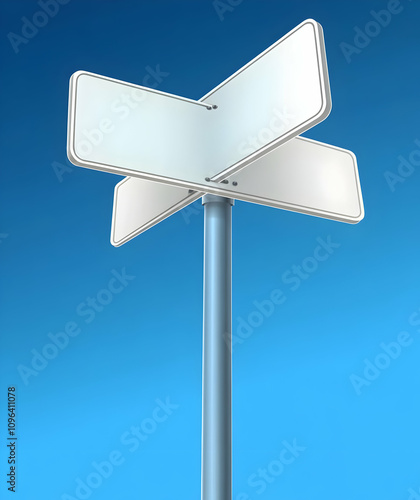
<point x="277" y="96"/>
<point x="304" y="176"/>
<point x="301" y="176"/>
<point x="128" y="129"/>
<point x="140" y="204"/>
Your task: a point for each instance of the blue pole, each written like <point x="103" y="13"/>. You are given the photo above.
<point x="216" y="465"/>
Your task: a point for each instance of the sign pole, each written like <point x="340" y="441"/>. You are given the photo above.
<point x="216" y="465"/>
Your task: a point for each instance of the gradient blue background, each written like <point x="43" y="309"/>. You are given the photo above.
<point x="291" y="377"/>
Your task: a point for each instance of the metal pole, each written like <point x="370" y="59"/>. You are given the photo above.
<point x="216" y="465"/>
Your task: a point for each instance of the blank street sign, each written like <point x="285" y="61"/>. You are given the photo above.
<point x="277" y="96"/>
<point x="175" y="149"/>
<point x="132" y="130"/>
<point x="301" y="176"/>
<point x="140" y="204"/>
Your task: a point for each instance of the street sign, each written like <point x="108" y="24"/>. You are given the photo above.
<point x="280" y="94"/>
<point x="140" y="204"/>
<point x="301" y="176"/>
<point x="132" y="130"/>
<point x="175" y="150"/>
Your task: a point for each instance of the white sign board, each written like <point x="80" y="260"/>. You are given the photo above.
<point x="141" y="204"/>
<point x="132" y="130"/>
<point x="301" y="176"/>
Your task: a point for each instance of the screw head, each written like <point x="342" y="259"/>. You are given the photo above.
<point x="234" y="183"/>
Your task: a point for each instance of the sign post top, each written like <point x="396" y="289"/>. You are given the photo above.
<point x="239" y="141"/>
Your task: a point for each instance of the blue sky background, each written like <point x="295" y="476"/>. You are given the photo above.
<point x="294" y="376"/>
